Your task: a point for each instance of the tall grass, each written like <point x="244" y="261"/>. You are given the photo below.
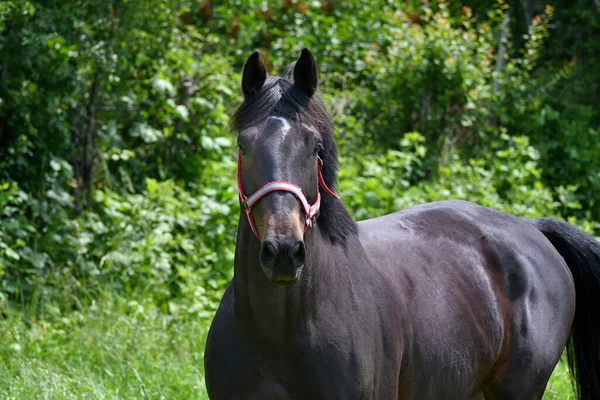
<point x="115" y="350"/>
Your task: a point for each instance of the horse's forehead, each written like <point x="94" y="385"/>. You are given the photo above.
<point x="282" y="127"/>
<point x="274" y="125"/>
<point x="278" y="132"/>
<point x="278" y="125"/>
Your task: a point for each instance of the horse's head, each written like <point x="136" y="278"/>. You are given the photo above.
<point x="284" y="134"/>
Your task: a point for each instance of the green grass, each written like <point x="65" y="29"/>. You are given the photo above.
<point x="120" y="350"/>
<point x="559" y="387"/>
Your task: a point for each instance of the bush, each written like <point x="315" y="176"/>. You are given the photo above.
<point x="116" y="164"/>
<point x="507" y="179"/>
<point x="164" y="242"/>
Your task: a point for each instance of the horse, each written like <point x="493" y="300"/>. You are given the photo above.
<point x="447" y="300"/>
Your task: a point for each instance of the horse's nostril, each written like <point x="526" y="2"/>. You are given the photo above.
<point x="268" y="253"/>
<point x="297" y="254"/>
<point x="281" y="256"/>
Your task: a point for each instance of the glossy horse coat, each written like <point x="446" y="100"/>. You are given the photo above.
<point x="446" y="300"/>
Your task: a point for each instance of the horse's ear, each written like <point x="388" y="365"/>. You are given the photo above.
<point x="254" y="75"/>
<point x="305" y="73"/>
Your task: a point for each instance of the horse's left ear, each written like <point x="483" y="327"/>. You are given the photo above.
<point x="254" y="75"/>
<point x="306" y="76"/>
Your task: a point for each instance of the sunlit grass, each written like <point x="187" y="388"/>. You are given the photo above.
<point x="559" y="387"/>
<point x="121" y="350"/>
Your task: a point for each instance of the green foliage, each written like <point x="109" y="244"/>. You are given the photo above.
<point x="161" y="242"/>
<point x="127" y="103"/>
<point x="165" y="241"/>
<point x="505" y="178"/>
<point x="117" y="168"/>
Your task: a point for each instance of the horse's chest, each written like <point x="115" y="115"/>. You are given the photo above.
<point x="319" y="363"/>
<point x="323" y="372"/>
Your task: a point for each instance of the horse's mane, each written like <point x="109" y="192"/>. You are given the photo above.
<point x="280" y="97"/>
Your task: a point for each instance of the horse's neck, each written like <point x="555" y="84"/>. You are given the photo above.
<point x="275" y="311"/>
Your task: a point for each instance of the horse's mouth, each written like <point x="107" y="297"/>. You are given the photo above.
<point x="283" y="282"/>
<point x="283" y="279"/>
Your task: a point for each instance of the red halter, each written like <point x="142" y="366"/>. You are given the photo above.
<point x="310" y="211"/>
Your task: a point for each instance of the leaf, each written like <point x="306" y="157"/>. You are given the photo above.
<point x="147" y="133"/>
<point x="12" y="254"/>
<point x="183" y="112"/>
<point x="163" y="86"/>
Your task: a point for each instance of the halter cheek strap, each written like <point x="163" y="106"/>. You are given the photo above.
<point x="310" y="211"/>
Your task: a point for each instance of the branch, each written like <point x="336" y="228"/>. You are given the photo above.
<point x="339" y="109"/>
<point x="501" y="51"/>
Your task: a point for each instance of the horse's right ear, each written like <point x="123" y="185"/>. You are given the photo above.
<point x="306" y="76"/>
<point x="254" y="75"/>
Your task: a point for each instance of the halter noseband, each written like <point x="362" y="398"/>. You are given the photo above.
<point x="310" y="211"/>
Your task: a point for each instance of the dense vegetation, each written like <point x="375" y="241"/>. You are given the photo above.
<point x="118" y="208"/>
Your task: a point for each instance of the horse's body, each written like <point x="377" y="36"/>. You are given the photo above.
<point x="494" y="298"/>
<point x="446" y="300"/>
<point x="425" y="287"/>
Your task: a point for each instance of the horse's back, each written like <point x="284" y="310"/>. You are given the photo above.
<point x="456" y="261"/>
<point x="514" y="251"/>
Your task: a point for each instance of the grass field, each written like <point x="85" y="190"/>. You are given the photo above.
<point x="119" y="350"/>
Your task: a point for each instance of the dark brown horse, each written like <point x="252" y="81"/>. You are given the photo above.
<point x="446" y="300"/>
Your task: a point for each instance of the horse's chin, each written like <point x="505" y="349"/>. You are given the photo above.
<point x="284" y="280"/>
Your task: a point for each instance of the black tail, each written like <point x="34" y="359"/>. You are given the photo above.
<point x="582" y="254"/>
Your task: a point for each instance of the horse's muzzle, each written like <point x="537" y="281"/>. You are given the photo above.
<point x="282" y="260"/>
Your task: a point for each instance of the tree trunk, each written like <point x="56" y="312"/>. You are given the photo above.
<point x="84" y="149"/>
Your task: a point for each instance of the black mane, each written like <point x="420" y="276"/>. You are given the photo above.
<point x="279" y="97"/>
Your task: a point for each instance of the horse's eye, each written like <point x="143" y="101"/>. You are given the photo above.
<point x="317" y="149"/>
<point x="242" y="147"/>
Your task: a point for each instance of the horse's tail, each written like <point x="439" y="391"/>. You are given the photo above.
<point x="582" y="254"/>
